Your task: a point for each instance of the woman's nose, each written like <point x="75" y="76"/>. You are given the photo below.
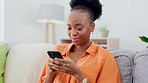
<point x="73" y="32"/>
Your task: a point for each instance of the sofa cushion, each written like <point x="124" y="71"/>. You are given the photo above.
<point x="25" y="62"/>
<point x="124" y="60"/>
<point x="141" y="67"/>
<point x="3" y="52"/>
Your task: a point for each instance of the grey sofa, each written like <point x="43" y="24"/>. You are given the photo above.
<point x="133" y="66"/>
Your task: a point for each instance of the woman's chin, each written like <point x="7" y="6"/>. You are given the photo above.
<point x="76" y="43"/>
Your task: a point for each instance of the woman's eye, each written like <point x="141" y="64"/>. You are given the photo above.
<point x="68" y="28"/>
<point x="79" y="28"/>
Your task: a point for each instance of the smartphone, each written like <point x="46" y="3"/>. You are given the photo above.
<point x="54" y="54"/>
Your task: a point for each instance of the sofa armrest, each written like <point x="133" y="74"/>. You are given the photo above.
<point x="25" y="62"/>
<point x="124" y="59"/>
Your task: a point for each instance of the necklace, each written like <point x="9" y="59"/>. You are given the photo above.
<point x="81" y="52"/>
<point x="78" y="52"/>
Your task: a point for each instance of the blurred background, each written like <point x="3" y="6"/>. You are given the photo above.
<point x="125" y="19"/>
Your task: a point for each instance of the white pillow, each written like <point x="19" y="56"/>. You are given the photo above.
<point x="25" y="62"/>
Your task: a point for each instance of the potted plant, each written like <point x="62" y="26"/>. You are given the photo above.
<point x="104" y="31"/>
<point x="144" y="39"/>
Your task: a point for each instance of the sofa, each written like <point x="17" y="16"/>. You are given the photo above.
<point x="25" y="62"/>
<point x="133" y="65"/>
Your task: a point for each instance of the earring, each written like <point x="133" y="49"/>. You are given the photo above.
<point x="92" y="33"/>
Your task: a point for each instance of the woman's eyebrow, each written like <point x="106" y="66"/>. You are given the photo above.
<point x="77" y="24"/>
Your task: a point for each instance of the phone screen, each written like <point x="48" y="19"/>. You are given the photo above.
<point x="54" y="54"/>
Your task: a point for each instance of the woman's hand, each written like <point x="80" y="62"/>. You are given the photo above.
<point x="66" y="65"/>
<point x="50" y="72"/>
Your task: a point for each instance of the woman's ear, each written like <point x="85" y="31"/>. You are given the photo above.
<point x="92" y="27"/>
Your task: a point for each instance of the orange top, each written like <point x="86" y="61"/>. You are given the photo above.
<point x="97" y="64"/>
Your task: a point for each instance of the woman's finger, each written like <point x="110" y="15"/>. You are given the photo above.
<point x="62" y="68"/>
<point x="66" y="60"/>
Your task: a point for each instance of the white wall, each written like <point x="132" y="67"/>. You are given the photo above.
<point x="1" y="20"/>
<point x="0" y="23"/>
<point x="20" y="20"/>
<point x="127" y="20"/>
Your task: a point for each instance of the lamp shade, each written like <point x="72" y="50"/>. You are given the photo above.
<point x="50" y="13"/>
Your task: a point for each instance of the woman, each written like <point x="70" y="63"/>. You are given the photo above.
<point x="84" y="62"/>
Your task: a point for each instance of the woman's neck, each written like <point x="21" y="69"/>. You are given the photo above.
<point x="82" y="47"/>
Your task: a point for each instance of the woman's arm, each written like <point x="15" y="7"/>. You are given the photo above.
<point x="48" y="73"/>
<point x="110" y="71"/>
<point x="81" y="77"/>
<point x="68" y="66"/>
<point x="50" y="77"/>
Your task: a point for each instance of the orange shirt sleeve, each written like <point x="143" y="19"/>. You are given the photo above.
<point x="109" y="72"/>
<point x="43" y="75"/>
<point x="44" y="72"/>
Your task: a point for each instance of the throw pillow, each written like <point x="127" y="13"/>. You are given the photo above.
<point x="141" y="67"/>
<point x="3" y="52"/>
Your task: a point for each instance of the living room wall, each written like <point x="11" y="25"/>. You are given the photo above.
<point x="21" y="21"/>
<point x="127" y="19"/>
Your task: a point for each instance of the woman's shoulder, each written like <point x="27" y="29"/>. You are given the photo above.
<point x="61" y="47"/>
<point x="104" y="52"/>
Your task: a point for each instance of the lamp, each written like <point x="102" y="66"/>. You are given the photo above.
<point x="50" y="14"/>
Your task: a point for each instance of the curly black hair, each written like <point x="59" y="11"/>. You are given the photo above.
<point x="93" y="7"/>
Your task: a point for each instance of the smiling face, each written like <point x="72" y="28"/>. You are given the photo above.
<point x="79" y="27"/>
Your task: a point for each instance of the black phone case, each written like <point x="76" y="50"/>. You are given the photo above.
<point x="54" y="54"/>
